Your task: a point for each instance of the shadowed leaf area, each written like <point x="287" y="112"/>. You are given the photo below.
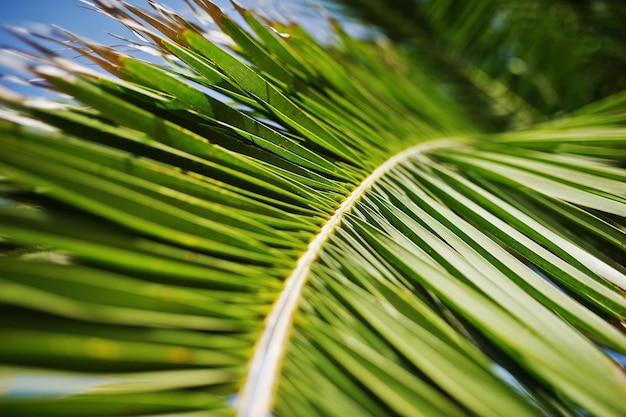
<point x="425" y="220"/>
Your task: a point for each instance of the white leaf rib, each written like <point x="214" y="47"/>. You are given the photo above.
<point x="257" y="395"/>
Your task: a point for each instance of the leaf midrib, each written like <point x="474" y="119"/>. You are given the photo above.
<point x="257" y="394"/>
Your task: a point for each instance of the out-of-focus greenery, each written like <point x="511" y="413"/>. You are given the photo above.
<point x="556" y="56"/>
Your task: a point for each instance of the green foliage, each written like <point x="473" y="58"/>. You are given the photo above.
<point x="551" y="57"/>
<point x="311" y="229"/>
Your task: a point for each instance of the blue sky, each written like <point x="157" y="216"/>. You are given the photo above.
<point x="69" y="14"/>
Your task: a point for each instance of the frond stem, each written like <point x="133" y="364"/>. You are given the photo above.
<point x="257" y="395"/>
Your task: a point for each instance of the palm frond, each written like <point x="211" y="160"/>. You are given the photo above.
<point x="274" y="225"/>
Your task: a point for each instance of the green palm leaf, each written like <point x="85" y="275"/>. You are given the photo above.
<point x="280" y="226"/>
